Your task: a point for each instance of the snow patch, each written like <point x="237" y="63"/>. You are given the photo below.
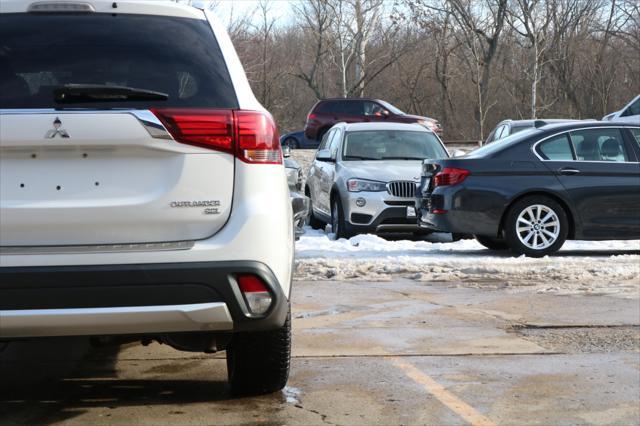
<point x="596" y="267"/>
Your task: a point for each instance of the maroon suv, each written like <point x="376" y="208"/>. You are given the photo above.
<point x="328" y="112"/>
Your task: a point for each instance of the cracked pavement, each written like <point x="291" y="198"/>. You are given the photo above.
<point x="397" y="352"/>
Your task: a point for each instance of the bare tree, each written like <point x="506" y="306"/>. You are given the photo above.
<point x="467" y="63"/>
<point x="531" y="19"/>
<point x="315" y="18"/>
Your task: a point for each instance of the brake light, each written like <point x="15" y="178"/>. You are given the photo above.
<point x="450" y="176"/>
<point x="206" y="128"/>
<point x="255" y="293"/>
<point x="250" y="135"/>
<point x="258" y="140"/>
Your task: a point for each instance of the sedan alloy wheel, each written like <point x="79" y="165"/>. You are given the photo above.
<point x="538" y="227"/>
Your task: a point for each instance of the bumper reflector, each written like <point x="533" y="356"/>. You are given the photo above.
<point x="255" y="293"/>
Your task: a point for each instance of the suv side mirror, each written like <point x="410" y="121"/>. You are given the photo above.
<point x="286" y="151"/>
<point x="324" y="155"/>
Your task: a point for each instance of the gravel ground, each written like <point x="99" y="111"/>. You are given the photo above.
<point x="585" y="339"/>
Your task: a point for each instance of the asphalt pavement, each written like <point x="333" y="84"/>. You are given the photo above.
<point x="397" y="352"/>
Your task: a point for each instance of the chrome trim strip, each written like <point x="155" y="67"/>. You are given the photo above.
<point x="533" y="147"/>
<point x="153" y="125"/>
<point x="101" y="248"/>
<point x="402" y="188"/>
<point x="400" y="227"/>
<point x="148" y="119"/>
<point x="121" y="320"/>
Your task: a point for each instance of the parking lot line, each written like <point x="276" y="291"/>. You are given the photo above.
<point x="454" y="403"/>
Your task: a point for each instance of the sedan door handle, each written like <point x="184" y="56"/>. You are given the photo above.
<point x="568" y="171"/>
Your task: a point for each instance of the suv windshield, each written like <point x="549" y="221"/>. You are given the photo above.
<point x="42" y="55"/>
<point x="391" y="108"/>
<point x="392" y="145"/>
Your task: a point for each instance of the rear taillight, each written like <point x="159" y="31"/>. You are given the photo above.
<point x="450" y="176"/>
<point x="258" y="140"/>
<point x="255" y="293"/>
<point x="207" y="128"/>
<point x="250" y="135"/>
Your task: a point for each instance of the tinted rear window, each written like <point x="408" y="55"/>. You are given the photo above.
<point x="326" y="107"/>
<point x="177" y="56"/>
<point x="557" y="148"/>
<point x="488" y="151"/>
<point x="341" y="107"/>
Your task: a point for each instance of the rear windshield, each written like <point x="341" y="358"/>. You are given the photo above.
<point x="176" y="56"/>
<point x="491" y="149"/>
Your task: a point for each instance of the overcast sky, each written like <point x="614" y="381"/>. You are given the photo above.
<point x="228" y="9"/>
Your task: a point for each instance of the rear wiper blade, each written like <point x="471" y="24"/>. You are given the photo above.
<point x="70" y="93"/>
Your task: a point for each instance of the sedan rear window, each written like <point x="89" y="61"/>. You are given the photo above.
<point x="558" y="148"/>
<point x="599" y="145"/>
<point x="179" y="57"/>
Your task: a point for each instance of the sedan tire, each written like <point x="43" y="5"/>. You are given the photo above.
<point x="291" y="143"/>
<point x="536" y="226"/>
<point x="492" y="243"/>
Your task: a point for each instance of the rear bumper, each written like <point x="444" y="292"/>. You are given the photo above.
<point x="109" y="321"/>
<point x="460" y="212"/>
<point x="133" y="299"/>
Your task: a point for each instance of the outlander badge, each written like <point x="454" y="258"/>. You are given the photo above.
<point x="56" y="131"/>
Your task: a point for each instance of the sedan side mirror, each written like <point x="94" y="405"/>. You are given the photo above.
<point x="324" y="155"/>
<point x="459" y="153"/>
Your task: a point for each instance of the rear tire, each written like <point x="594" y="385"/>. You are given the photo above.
<point x="258" y="362"/>
<point x="536" y="226"/>
<point x="291" y="143"/>
<point x="492" y="243"/>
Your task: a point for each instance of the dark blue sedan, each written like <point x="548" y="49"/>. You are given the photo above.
<point x="297" y="140"/>
<point x="539" y="187"/>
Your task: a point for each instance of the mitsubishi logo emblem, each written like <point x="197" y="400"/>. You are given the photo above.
<point x="56" y="131"/>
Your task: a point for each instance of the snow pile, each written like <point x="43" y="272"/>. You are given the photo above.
<point x="611" y="267"/>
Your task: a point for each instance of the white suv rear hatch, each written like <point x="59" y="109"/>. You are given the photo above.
<point x="85" y="104"/>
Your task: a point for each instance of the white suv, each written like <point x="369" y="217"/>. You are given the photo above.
<point x="142" y="190"/>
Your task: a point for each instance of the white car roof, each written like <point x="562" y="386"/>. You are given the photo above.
<point x="146" y="7"/>
<point x="359" y="127"/>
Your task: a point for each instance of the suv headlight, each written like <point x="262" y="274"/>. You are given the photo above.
<point x="358" y="185"/>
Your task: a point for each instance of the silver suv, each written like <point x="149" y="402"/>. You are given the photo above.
<point x="364" y="177"/>
<point x="142" y="190"/>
